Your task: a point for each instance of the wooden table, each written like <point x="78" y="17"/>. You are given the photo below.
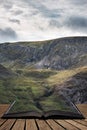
<point x="35" y="124"/>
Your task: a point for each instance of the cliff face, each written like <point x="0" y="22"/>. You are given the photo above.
<point x="75" y="89"/>
<point x="57" y="54"/>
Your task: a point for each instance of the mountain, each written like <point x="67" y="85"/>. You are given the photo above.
<point x="4" y="72"/>
<point x="75" y="88"/>
<point x="37" y="71"/>
<point x="63" y="53"/>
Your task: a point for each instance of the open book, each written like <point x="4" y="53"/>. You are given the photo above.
<point x="63" y="109"/>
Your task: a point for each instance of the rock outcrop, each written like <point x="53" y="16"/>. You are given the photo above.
<point x="75" y="89"/>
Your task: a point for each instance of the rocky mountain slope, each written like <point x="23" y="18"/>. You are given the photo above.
<point x="44" y="69"/>
<point x="75" y="88"/>
<point x="57" y="54"/>
<point x="5" y="73"/>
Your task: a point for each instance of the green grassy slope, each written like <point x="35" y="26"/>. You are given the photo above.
<point x="32" y="72"/>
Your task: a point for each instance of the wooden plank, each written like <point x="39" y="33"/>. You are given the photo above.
<point x="2" y="121"/>
<point x="31" y="125"/>
<point x="54" y="125"/>
<point x="66" y="125"/>
<point x="3" y="108"/>
<point x="43" y="125"/>
<point x="8" y="124"/>
<point x="83" y="109"/>
<point x="82" y="122"/>
<point x="19" y="125"/>
<point x="78" y="125"/>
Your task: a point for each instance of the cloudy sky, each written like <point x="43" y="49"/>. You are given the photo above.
<point x="42" y="19"/>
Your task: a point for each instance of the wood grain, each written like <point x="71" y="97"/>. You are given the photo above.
<point x="19" y="125"/>
<point x="78" y="125"/>
<point x="54" y="125"/>
<point x="83" y="122"/>
<point x="83" y="109"/>
<point x="43" y="125"/>
<point x="31" y="125"/>
<point x="8" y="124"/>
<point x="2" y="121"/>
<point x="66" y="125"/>
<point x="3" y="109"/>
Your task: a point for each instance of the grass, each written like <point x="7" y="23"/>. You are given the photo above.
<point x="39" y="74"/>
<point x="23" y="87"/>
<point x="32" y="43"/>
<point x="64" y="75"/>
<point x="60" y="77"/>
<point x="54" y="102"/>
<point x="20" y="106"/>
<point x="32" y="84"/>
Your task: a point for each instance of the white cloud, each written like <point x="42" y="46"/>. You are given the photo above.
<point x="40" y="20"/>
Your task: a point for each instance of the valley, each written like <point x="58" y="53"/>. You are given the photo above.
<point x="37" y="73"/>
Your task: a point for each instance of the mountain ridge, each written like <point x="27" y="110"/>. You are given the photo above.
<point x="57" y="54"/>
<point x="42" y="68"/>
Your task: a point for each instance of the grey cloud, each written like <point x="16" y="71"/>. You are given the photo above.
<point x="55" y="23"/>
<point x="78" y="2"/>
<point x="17" y="12"/>
<point x="51" y="14"/>
<point x="7" y="33"/>
<point x="7" y="6"/>
<point x="14" y="21"/>
<point x="77" y="23"/>
<point x="43" y="9"/>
